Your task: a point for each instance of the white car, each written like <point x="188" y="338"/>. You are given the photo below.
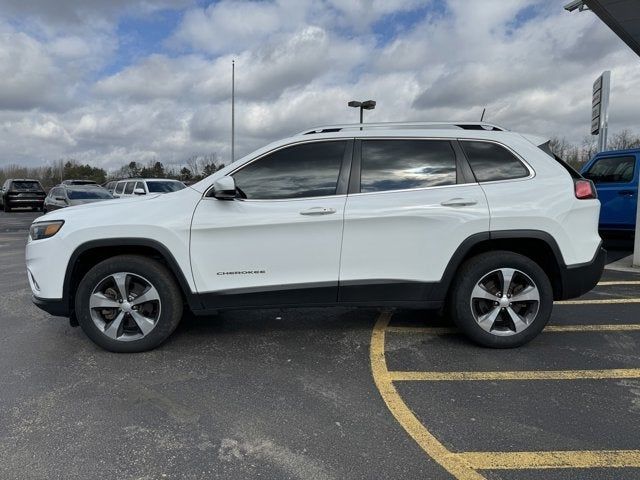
<point x="469" y="216"/>
<point x="143" y="186"/>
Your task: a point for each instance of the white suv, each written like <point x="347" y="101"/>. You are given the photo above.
<point x="143" y="186"/>
<point x="469" y="216"/>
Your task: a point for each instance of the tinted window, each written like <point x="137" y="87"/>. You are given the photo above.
<point x="612" y="170"/>
<point x="119" y="188"/>
<point x="164" y="187"/>
<point x="57" y="192"/>
<point x="401" y="164"/>
<point x="129" y="188"/>
<point x="88" y="194"/>
<point x="491" y="162"/>
<point x="308" y="170"/>
<point x="22" y="185"/>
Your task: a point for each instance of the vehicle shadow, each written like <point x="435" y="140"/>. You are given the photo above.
<point x="618" y="245"/>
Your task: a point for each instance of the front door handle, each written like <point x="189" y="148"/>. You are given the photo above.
<point x="459" y="202"/>
<point x="318" y="211"/>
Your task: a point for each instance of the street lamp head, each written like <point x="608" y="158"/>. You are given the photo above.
<point x="353" y="103"/>
<point x="575" y="5"/>
<point x="369" y="105"/>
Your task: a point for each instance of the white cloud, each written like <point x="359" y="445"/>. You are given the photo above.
<point x="298" y="63"/>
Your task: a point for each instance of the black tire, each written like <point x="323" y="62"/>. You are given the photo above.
<point x="478" y="268"/>
<point x="6" y="207"/>
<point x="157" y="274"/>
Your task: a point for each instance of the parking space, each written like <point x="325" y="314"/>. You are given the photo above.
<point x="313" y="393"/>
<point x="567" y="405"/>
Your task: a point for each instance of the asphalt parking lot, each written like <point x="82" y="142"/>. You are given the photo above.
<point x="320" y="394"/>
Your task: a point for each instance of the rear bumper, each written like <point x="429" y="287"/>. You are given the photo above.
<point x="580" y="279"/>
<point x="53" y="306"/>
<point x="25" y="202"/>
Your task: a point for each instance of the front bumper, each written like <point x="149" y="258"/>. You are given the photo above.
<point x="580" y="279"/>
<point x="53" y="306"/>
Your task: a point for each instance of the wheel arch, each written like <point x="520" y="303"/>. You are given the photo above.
<point x="90" y="253"/>
<point x="537" y="245"/>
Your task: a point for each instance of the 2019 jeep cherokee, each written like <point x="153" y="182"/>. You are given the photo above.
<point x="467" y="215"/>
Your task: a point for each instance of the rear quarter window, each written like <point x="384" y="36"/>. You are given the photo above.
<point x="491" y="162"/>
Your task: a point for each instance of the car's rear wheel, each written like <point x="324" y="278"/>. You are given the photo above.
<point x="501" y="299"/>
<point x="128" y="303"/>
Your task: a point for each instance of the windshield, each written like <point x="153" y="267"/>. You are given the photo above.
<point x="88" y="194"/>
<point x="164" y="187"/>
<point x="25" y="186"/>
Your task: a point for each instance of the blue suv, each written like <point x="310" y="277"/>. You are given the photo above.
<point x="615" y="174"/>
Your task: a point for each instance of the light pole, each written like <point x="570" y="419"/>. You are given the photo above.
<point x="233" y="111"/>
<point x="367" y="105"/>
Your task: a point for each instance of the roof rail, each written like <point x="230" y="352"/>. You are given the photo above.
<point x="407" y="125"/>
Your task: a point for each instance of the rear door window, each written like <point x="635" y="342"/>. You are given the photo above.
<point x="119" y="188"/>
<point x="128" y="190"/>
<point x="612" y="170"/>
<point x="164" y="186"/>
<point x="491" y="162"/>
<point x="406" y="164"/>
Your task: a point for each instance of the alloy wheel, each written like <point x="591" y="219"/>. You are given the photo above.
<point x="505" y="302"/>
<point x="125" y="306"/>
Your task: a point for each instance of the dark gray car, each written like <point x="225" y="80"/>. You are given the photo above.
<point x="69" y="195"/>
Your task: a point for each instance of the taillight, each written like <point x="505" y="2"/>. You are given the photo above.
<point x="584" y="189"/>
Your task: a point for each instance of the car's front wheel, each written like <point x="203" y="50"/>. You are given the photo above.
<point x="6" y="207"/>
<point x="128" y="303"/>
<point x="501" y="299"/>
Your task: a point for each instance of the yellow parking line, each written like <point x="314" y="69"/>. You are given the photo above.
<point x="424" y="330"/>
<point x="619" y="282"/>
<point x="451" y="462"/>
<point x="465" y="465"/>
<point x="597" y="302"/>
<point x="623" y="327"/>
<point x="400" y="376"/>
<point x="562" y="459"/>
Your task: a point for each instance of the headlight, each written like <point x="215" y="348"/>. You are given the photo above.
<point x="41" y="230"/>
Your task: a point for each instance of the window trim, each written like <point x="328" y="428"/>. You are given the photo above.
<point x="633" y="175"/>
<point x="343" y="172"/>
<point x="526" y="164"/>
<point x="462" y="175"/>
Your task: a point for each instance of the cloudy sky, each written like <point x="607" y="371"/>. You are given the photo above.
<point x="113" y="81"/>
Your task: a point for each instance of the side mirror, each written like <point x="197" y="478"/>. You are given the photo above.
<point x="224" y="188"/>
<point x="60" y="199"/>
<point x="139" y="191"/>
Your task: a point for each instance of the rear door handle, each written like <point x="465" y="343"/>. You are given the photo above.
<point x="318" y="211"/>
<point x="626" y="193"/>
<point x="459" y="202"/>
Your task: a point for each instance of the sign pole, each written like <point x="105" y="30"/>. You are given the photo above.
<point x="600" y="109"/>
<point x="636" y="245"/>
